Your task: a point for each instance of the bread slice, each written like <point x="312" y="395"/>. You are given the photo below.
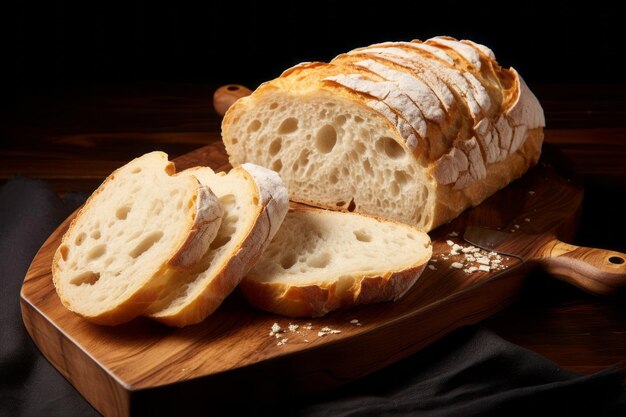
<point x="255" y="201"/>
<point x="412" y="131"/>
<point x="322" y="260"/>
<point x="136" y="230"/>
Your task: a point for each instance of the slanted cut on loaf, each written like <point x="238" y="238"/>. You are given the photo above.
<point x="322" y="260"/>
<point x="126" y="244"/>
<point x="412" y="131"/>
<point x="254" y="200"/>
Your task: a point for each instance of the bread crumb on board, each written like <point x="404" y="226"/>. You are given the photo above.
<point x="303" y="330"/>
<point x="470" y="258"/>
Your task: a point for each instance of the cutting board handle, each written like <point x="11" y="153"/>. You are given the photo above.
<point x="226" y="95"/>
<point x="597" y="271"/>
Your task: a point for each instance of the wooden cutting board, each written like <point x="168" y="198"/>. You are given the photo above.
<point x="144" y="367"/>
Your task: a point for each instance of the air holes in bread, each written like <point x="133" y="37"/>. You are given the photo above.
<point x="402" y="178"/>
<point x="273" y="106"/>
<point x="227" y="199"/>
<point x="362" y="235"/>
<point x="277" y="165"/>
<point x="358" y="119"/>
<point x="389" y="147"/>
<point x="326" y="139"/>
<point x="303" y="158"/>
<point x="320" y="260"/>
<point x="333" y="178"/>
<point x="65" y="251"/>
<point x="87" y="277"/>
<point x="254" y="126"/>
<point x="122" y="212"/>
<point x="288" y="125"/>
<point x="136" y="170"/>
<point x="340" y="120"/>
<point x="96" y="252"/>
<point x="360" y="147"/>
<point x="351" y="206"/>
<point x="367" y="166"/>
<point x="288" y="261"/>
<point x="275" y="146"/>
<point x="395" y="189"/>
<point x="146" y="243"/>
<point x="80" y="239"/>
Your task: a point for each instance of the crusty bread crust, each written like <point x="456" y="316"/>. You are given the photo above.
<point x="272" y="206"/>
<point x="294" y="300"/>
<point x="317" y="300"/>
<point x="486" y="130"/>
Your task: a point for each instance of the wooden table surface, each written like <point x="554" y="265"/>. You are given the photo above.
<point x="73" y="139"/>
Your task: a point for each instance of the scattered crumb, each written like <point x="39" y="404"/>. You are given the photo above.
<point x="453" y="234"/>
<point x="276" y="330"/>
<point x="516" y="226"/>
<point x="531" y="192"/>
<point x="282" y="341"/>
<point x="326" y="331"/>
<point x="306" y="340"/>
<point x="293" y="327"/>
<point x="355" y="322"/>
<point x="470" y="258"/>
<point x="527" y="219"/>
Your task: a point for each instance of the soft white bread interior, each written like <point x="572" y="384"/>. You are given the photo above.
<point x="137" y="229"/>
<point x="412" y="131"/>
<point x="321" y="260"/>
<point x="254" y="200"/>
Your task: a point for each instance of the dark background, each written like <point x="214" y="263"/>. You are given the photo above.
<point x="55" y="45"/>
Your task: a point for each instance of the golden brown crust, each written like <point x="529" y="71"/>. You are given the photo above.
<point x="505" y="100"/>
<point x="317" y="300"/>
<point x="270" y="210"/>
<point x="451" y="203"/>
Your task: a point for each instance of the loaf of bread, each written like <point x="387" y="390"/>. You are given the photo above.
<point x="412" y="131"/>
<point x="136" y="231"/>
<point x="254" y="201"/>
<point x="322" y="260"/>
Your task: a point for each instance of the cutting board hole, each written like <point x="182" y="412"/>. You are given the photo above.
<point x="617" y="260"/>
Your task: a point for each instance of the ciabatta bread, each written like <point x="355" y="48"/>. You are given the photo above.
<point x="255" y="201"/>
<point x="321" y="260"/>
<point x="412" y="131"/>
<point x="141" y="226"/>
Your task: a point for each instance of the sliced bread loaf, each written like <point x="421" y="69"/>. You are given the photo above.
<point x="255" y="201"/>
<point x="321" y="260"/>
<point x="412" y="131"/>
<point x="125" y="244"/>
